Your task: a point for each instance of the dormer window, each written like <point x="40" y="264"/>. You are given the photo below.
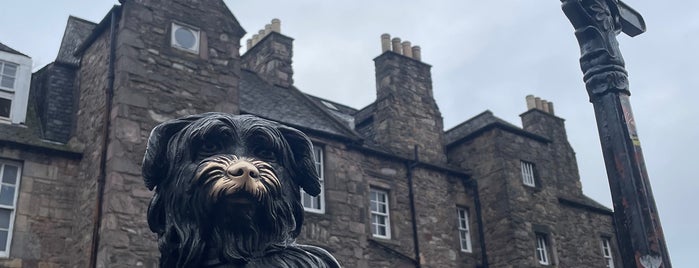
<point x="185" y="38"/>
<point x="15" y="76"/>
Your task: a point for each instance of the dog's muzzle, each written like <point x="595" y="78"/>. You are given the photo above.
<point x="238" y="178"/>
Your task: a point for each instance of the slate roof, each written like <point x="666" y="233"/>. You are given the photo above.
<point x="481" y="122"/>
<point x="76" y="32"/>
<point x="5" y="48"/>
<point x="289" y="106"/>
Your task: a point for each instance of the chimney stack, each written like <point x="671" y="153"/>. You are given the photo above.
<point x="399" y="121"/>
<point x="403" y="48"/>
<point x="269" y="55"/>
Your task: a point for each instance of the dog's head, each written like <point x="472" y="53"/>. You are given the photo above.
<point x="227" y="183"/>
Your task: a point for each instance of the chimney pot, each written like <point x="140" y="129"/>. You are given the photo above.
<point x="255" y="39"/>
<point x="268" y="28"/>
<point x="417" y="54"/>
<point x="396" y="45"/>
<point x="385" y="42"/>
<point x="545" y="106"/>
<point x="530" y="102"/>
<point x="407" y="51"/>
<point x="537" y="101"/>
<point x="249" y="43"/>
<point x="551" y="107"/>
<point x="277" y="25"/>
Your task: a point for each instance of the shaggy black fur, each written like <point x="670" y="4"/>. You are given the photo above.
<point x="206" y="218"/>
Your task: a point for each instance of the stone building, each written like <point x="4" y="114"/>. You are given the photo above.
<point x="398" y="190"/>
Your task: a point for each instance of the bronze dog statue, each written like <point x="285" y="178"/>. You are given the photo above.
<point x="226" y="192"/>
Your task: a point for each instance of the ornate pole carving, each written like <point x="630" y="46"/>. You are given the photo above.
<point x="597" y="23"/>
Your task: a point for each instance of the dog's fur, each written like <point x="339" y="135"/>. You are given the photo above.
<point x="205" y="218"/>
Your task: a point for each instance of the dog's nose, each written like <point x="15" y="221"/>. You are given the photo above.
<point x="243" y="170"/>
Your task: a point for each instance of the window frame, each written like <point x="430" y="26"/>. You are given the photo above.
<point x="197" y="37"/>
<point x="5" y="92"/>
<point x="543" y="252"/>
<point x="3" y="64"/>
<point x="9" y="96"/>
<point x="386" y="215"/>
<point x="528" y="170"/>
<point x="13" y="207"/>
<point x="464" y="227"/>
<point x="318" y="156"/>
<point x="607" y="252"/>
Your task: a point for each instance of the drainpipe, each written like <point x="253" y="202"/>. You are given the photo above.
<point x="105" y="140"/>
<point x="410" y="166"/>
<point x="479" y="221"/>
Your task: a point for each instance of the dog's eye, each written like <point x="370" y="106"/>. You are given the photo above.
<point x="265" y="154"/>
<point x="208" y="148"/>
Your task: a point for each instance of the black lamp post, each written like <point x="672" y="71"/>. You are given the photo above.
<point x="597" y="23"/>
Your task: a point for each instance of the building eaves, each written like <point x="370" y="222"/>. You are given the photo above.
<point x="586" y="203"/>
<point x="7" y="49"/>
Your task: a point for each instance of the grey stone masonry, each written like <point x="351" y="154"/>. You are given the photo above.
<point x="561" y="153"/>
<point x="345" y="229"/>
<point x="271" y="59"/>
<point x="156" y="81"/>
<point x="554" y="206"/>
<point x="44" y="208"/>
<point x="406" y="113"/>
<point x="91" y="118"/>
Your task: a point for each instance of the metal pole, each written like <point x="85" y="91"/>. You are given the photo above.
<point x="638" y="230"/>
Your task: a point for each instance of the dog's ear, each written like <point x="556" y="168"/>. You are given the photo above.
<point x="303" y="166"/>
<point x="154" y="160"/>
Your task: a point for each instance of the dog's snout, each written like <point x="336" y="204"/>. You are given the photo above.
<point x="243" y="170"/>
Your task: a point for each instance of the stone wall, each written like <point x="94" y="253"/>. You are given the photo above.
<point x="345" y="227"/>
<point x="44" y="211"/>
<point x="155" y="82"/>
<point x="406" y="113"/>
<point x="580" y="234"/>
<point x="516" y="212"/>
<point x="481" y="156"/>
<point x="560" y="152"/>
<point x="91" y="118"/>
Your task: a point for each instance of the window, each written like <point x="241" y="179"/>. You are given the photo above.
<point x="8" y="73"/>
<point x="380" y="222"/>
<point x="185" y="38"/>
<point x="542" y="249"/>
<point x="5" y="104"/>
<point x="316" y="203"/>
<point x="528" y="173"/>
<point x="464" y="231"/>
<point x="607" y="252"/>
<point x="9" y="182"/>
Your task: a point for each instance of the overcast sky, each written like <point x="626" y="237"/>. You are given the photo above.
<point x="486" y="55"/>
